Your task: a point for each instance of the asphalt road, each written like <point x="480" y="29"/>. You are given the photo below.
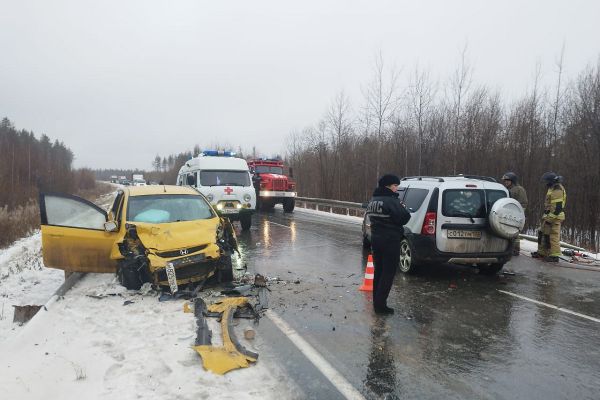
<point x="455" y="334"/>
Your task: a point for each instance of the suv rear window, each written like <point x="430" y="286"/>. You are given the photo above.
<point x="414" y="198"/>
<point x="469" y="203"/>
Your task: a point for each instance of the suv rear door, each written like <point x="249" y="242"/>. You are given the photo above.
<point x="73" y="235"/>
<point x="462" y="224"/>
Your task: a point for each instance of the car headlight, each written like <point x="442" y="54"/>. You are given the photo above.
<point x="220" y="206"/>
<point x="238" y="205"/>
<point x="247" y="197"/>
<point x="210" y="197"/>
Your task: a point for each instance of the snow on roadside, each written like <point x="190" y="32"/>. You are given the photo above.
<point x="121" y="344"/>
<point x="24" y="281"/>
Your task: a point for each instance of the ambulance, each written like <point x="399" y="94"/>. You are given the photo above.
<point x="225" y="181"/>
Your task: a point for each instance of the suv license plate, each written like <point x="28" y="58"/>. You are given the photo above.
<point x="460" y="234"/>
<point x="229" y="211"/>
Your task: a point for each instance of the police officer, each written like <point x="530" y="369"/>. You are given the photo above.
<point x="554" y="215"/>
<point x="387" y="215"/>
<point x="518" y="193"/>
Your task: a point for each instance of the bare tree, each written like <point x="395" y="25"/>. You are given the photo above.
<point x="459" y="84"/>
<point x="421" y="93"/>
<point x="381" y="102"/>
<point x="340" y="124"/>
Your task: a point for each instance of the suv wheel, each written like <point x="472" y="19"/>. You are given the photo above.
<point x="491" y="269"/>
<point x="407" y="264"/>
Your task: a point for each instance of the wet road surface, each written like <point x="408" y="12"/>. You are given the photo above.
<point x="454" y="333"/>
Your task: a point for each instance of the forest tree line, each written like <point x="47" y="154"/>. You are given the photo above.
<point x="29" y="165"/>
<point x="424" y="128"/>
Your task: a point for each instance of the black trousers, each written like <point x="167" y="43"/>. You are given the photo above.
<point x="386" y="255"/>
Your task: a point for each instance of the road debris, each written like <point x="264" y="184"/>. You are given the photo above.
<point x="24" y="313"/>
<point x="232" y="355"/>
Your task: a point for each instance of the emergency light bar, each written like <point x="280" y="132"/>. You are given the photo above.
<point x="217" y="153"/>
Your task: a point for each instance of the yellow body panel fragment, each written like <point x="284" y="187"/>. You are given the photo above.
<point x="221" y="360"/>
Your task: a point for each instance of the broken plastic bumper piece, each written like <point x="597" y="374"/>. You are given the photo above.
<point x="232" y="355"/>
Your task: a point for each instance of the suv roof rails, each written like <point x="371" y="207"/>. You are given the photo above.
<point x="420" y="178"/>
<point x="480" y="177"/>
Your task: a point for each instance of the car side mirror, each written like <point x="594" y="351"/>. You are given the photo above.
<point x="110" y="226"/>
<point x="191" y="180"/>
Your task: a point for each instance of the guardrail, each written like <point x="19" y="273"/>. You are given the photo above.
<point x="332" y="206"/>
<point x="356" y="209"/>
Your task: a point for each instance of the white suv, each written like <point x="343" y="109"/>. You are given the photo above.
<point x="461" y="219"/>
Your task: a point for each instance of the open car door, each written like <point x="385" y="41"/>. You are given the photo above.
<point x="73" y="234"/>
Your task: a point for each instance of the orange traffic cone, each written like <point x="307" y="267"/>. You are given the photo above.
<point x="367" y="285"/>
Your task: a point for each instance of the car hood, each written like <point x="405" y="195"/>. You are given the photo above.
<point x="177" y="235"/>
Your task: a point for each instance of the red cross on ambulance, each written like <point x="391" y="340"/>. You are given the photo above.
<point x="228" y="190"/>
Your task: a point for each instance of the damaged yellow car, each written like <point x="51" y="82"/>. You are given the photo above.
<point x="166" y="235"/>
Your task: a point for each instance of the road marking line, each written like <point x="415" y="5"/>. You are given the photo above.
<point x="566" y="310"/>
<point x="275" y="223"/>
<point x="336" y="379"/>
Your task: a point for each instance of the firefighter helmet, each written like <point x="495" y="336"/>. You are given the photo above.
<point x="510" y="176"/>
<point x="550" y="178"/>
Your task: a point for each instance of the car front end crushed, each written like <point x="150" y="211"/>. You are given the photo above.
<point x="168" y="257"/>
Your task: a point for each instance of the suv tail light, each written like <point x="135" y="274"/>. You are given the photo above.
<point x="429" y="223"/>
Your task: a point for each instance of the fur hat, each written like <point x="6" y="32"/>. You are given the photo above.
<point x="388" y="179"/>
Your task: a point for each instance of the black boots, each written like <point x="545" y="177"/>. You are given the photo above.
<point x="385" y="310"/>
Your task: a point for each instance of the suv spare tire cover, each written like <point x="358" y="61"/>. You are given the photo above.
<point x="507" y="218"/>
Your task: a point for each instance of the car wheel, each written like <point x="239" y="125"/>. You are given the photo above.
<point x="246" y="221"/>
<point x="407" y="263"/>
<point x="131" y="274"/>
<point x="288" y="205"/>
<point x="491" y="269"/>
<point x="225" y="269"/>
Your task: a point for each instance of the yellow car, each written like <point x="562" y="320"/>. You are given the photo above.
<point x="166" y="235"/>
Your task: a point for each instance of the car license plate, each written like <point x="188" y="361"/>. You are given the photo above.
<point x="229" y="211"/>
<point x="170" y="270"/>
<point x="461" y="234"/>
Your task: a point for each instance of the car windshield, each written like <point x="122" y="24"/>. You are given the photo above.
<point x="224" y="178"/>
<point x="469" y="203"/>
<point x="265" y="169"/>
<point x="159" y="209"/>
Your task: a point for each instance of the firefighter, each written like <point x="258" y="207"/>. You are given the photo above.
<point x="554" y="215"/>
<point x="387" y="215"/>
<point x="518" y="193"/>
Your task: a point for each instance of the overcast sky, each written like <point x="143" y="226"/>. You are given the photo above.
<point x="120" y="81"/>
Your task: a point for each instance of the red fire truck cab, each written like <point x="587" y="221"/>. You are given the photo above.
<point x="272" y="185"/>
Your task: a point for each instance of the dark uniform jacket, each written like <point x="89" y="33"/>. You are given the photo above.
<point x="387" y="214"/>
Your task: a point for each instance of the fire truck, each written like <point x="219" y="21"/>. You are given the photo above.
<point x="272" y="185"/>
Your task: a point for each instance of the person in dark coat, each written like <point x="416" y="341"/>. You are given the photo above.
<point x="387" y="215"/>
